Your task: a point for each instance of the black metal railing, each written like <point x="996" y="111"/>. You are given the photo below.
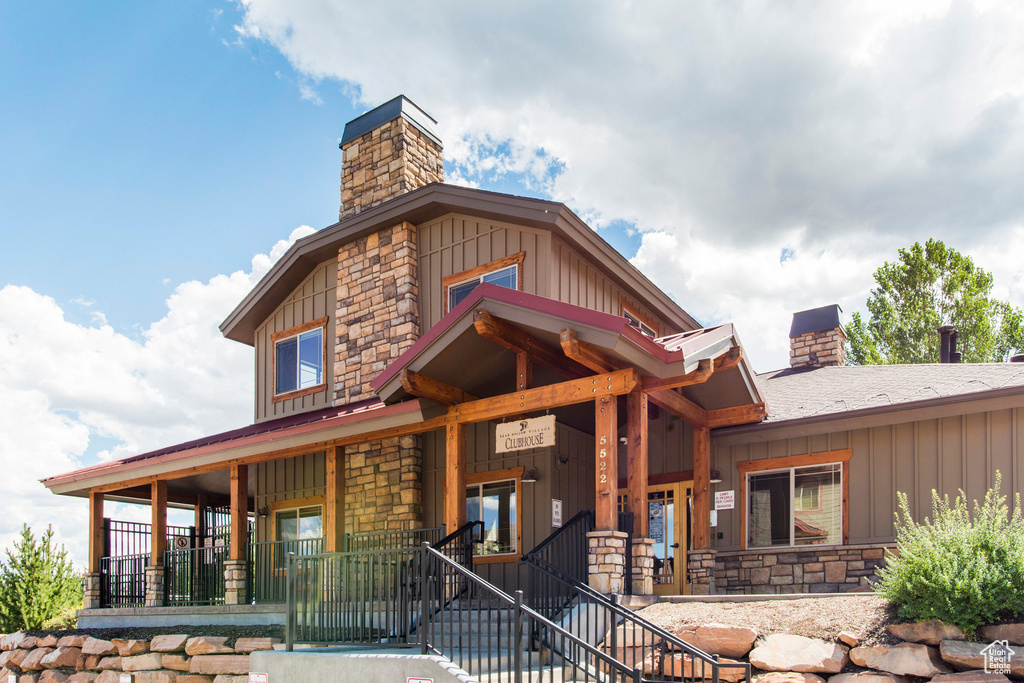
<point x="391" y="540"/>
<point x="195" y="576"/>
<point x="625" y="524"/>
<point x="566" y="551"/>
<point x="123" y="539"/>
<point x="123" y="580"/>
<point x="367" y="597"/>
<point x="268" y="567"/>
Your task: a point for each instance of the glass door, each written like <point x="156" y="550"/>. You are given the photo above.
<point x="668" y="514"/>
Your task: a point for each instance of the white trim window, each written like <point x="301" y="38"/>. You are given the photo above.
<point x="503" y="277"/>
<point x="299" y="361"/>
<point x="795" y="506"/>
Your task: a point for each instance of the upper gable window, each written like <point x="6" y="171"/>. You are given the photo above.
<point x="638" y="321"/>
<point x="299" y="359"/>
<point x="505" y="272"/>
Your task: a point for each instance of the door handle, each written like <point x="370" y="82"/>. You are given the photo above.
<point x="674" y="545"/>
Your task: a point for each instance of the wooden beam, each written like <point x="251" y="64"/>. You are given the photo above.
<point x="334" y="501"/>
<point x="524" y="371"/>
<point x="239" y="511"/>
<point x="737" y="415"/>
<point x="506" y="334"/>
<point x="541" y="398"/>
<point x="428" y="387"/>
<point x="455" y="477"/>
<point x="729" y="359"/>
<point x="606" y="444"/>
<point x="637" y="461"/>
<point x="705" y="368"/>
<point x="95" y="531"/>
<point x="158" y="535"/>
<point x="701" y="488"/>
<point x="683" y="408"/>
<point x="587" y="354"/>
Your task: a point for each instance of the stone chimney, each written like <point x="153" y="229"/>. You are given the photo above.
<point x="816" y="338"/>
<point x="388" y="151"/>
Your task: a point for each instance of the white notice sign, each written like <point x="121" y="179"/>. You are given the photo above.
<point x="410" y="679"/>
<point x="556" y="512"/>
<point x="538" y="432"/>
<point x="124" y="678"/>
<point x="714" y="517"/>
<point x="725" y="500"/>
<point x="258" y="678"/>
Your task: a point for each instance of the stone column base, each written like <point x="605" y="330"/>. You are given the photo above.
<point x="155" y="586"/>
<point x="643" y="566"/>
<point x="91" y="590"/>
<point x="700" y="567"/>
<point x="606" y="560"/>
<point x="236" y="577"/>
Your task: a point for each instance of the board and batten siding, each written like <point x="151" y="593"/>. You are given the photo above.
<point x="303" y="476"/>
<point x="455" y="242"/>
<point x="576" y="281"/>
<point x="947" y="454"/>
<point x="315" y="298"/>
<point x="572" y="483"/>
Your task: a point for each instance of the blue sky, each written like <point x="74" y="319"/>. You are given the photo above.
<point x="753" y="159"/>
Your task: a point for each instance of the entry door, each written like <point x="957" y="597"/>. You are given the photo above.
<point x="669" y="519"/>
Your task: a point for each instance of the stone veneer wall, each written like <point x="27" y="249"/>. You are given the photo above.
<point x="818" y="348"/>
<point x="808" y="569"/>
<point x="384" y="485"/>
<point x="386" y="162"/>
<point x="378" y="310"/>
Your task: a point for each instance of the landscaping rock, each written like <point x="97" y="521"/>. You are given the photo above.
<point x="788" y="677"/>
<point x="109" y="664"/>
<point x="720" y="639"/>
<point x="28" y="678"/>
<point x="29" y="643"/>
<point x="207" y="645"/>
<point x="5" y="672"/>
<point x="849" y="638"/>
<point x="194" y="678"/>
<point x="15" y="657"/>
<point x="173" y="643"/>
<point x="905" y="659"/>
<point x="47" y="641"/>
<point x="88" y="662"/>
<point x="82" y="677"/>
<point x="95" y="646"/>
<point x="12" y="641"/>
<point x="928" y="632"/>
<point x="155" y="677"/>
<point x="34" y="660"/>
<point x="71" y="641"/>
<point x="246" y="645"/>
<point x="869" y="677"/>
<point x="127" y="648"/>
<point x="971" y="656"/>
<point x="219" y="664"/>
<point x="109" y="677"/>
<point x="784" y="652"/>
<point x="62" y="658"/>
<point x="146" y="662"/>
<point x="1011" y="633"/>
<point x="683" y="665"/>
<point x="231" y="679"/>
<point x="971" y="677"/>
<point x="176" y="662"/>
<point x="53" y="676"/>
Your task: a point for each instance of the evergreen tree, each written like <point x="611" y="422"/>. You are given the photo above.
<point x="37" y="582"/>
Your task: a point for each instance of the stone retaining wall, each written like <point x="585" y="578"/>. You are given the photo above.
<point x="162" y="659"/>
<point x="809" y="569"/>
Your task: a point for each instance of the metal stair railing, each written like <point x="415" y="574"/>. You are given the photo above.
<point x="566" y="550"/>
<point x="391" y="540"/>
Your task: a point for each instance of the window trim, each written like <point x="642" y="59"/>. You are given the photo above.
<point x="295" y="504"/>
<point x="841" y="457"/>
<point x="295" y="332"/>
<point x="626" y="307"/>
<point x="511" y="474"/>
<point x="478" y="272"/>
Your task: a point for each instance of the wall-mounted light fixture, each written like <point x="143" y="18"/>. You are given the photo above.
<point x="529" y="476"/>
<point x="263" y="511"/>
<point x="716" y="476"/>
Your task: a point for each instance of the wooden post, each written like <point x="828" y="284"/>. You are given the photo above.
<point x="455" y="477"/>
<point x="334" y="499"/>
<point x="524" y="371"/>
<point x="701" y="488"/>
<point x="158" y="535"/>
<point x="606" y="444"/>
<point x="239" y="510"/>
<point x="637" y="461"/>
<point x="96" y="540"/>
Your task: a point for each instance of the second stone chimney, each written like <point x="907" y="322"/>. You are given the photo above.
<point x="817" y="338"/>
<point x="388" y="151"/>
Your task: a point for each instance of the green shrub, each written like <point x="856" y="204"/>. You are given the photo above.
<point x="65" y="621"/>
<point x="964" y="569"/>
<point x="37" y="582"/>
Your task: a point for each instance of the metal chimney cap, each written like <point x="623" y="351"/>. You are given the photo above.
<point x="816" y="320"/>
<point x="400" y="106"/>
<point x="1019" y="358"/>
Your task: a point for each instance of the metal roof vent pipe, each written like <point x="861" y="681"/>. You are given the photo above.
<point x="947" y="345"/>
<point x="1019" y="358"/>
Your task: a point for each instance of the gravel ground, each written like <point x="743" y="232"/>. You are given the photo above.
<point x="865" y="615"/>
<point x="146" y="632"/>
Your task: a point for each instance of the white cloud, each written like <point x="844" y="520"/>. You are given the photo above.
<point x="63" y="384"/>
<point x="859" y="127"/>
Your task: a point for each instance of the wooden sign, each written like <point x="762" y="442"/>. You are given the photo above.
<point x="537" y="432"/>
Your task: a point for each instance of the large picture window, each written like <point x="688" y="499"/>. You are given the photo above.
<point x="795" y="501"/>
<point x="503" y="272"/>
<point x="299" y="359"/>
<point x="494" y="499"/>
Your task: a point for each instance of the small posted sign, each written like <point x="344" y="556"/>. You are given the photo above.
<point x="258" y="677"/>
<point x="410" y="679"/>
<point x="725" y="500"/>
<point x="556" y="512"/>
<point x="124" y="678"/>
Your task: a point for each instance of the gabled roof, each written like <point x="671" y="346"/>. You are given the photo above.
<point x="427" y="203"/>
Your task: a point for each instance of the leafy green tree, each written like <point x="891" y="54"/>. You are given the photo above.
<point x="37" y="582"/>
<point x="930" y="286"/>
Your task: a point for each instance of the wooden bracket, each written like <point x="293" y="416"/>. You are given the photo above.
<point x="428" y="387"/>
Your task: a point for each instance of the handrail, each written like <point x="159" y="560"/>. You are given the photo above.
<point x="564" y="530"/>
<point x="382" y="540"/>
